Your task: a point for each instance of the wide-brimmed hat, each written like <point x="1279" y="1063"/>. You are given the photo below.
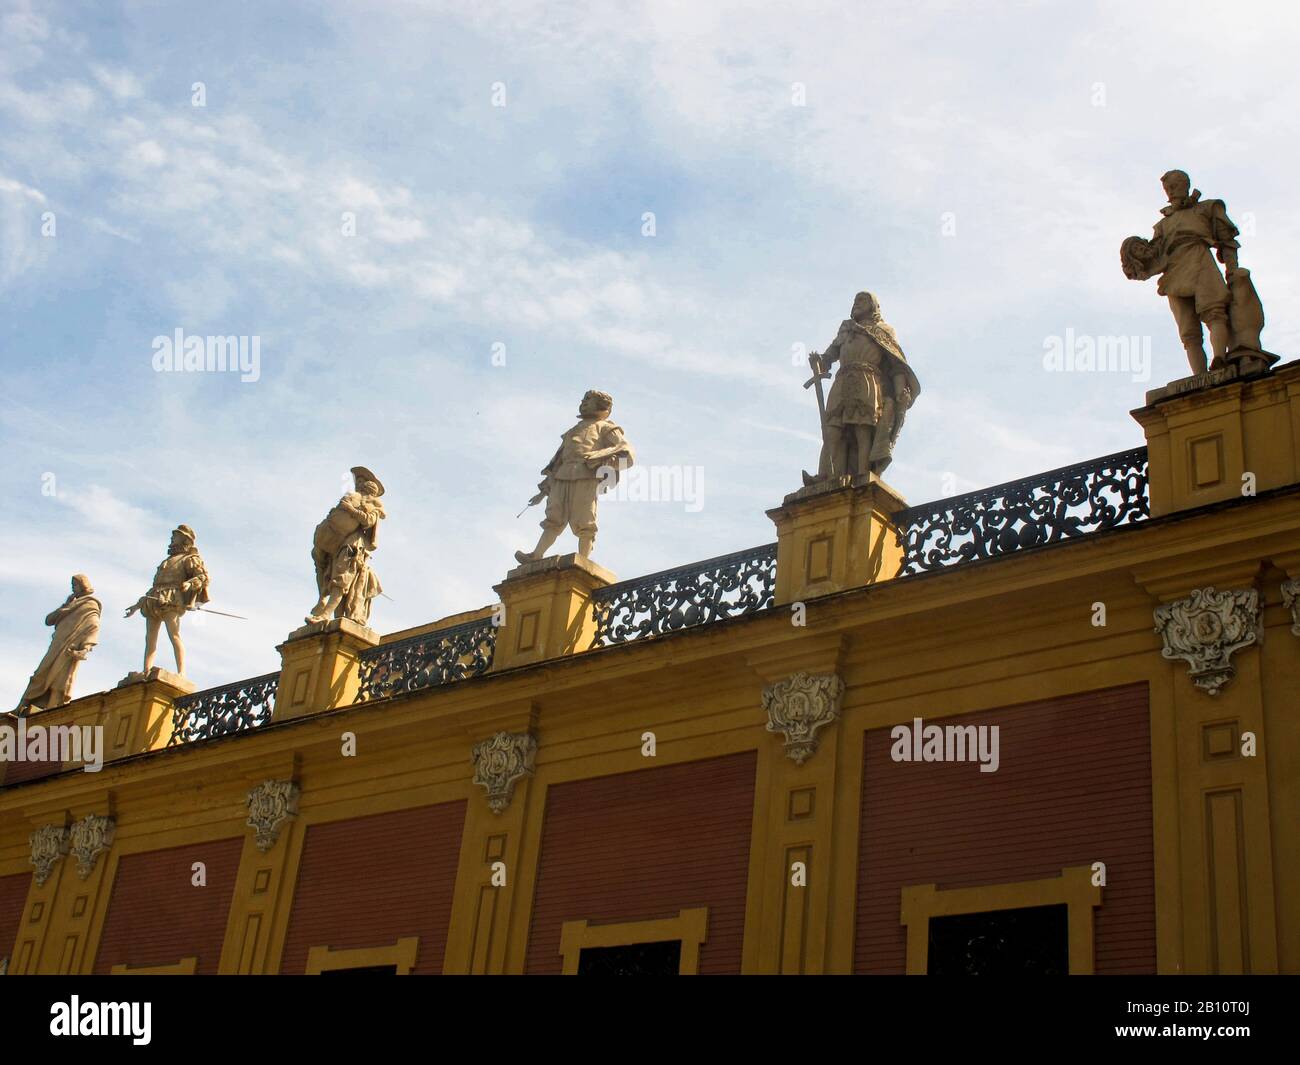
<point x="363" y="474"/>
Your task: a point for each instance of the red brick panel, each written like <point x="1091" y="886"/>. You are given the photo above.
<point x="13" y="898"/>
<point x="157" y="916"/>
<point x="1073" y="787"/>
<point x="370" y="881"/>
<point x="20" y="772"/>
<point x="644" y="845"/>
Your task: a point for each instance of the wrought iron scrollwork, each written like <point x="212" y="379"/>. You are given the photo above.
<point x="712" y="590"/>
<point x="246" y="704"/>
<point x="1048" y="507"/>
<point x="427" y="660"/>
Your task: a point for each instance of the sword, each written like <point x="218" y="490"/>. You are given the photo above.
<point x="819" y="375"/>
<point x="220" y="613"/>
<point x="204" y="609"/>
<point x="532" y="503"/>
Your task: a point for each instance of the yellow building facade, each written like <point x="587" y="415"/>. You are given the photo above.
<point x="729" y="767"/>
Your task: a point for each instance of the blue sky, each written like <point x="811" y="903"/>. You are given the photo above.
<point x="975" y="168"/>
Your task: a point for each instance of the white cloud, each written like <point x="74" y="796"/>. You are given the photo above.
<point x="121" y="83"/>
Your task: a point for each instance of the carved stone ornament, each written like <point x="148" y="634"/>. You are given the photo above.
<point x="49" y="844"/>
<point x="1206" y="629"/>
<point x="800" y="705"/>
<point x="1291" y="600"/>
<point x="88" y="839"/>
<point x="270" y="805"/>
<point x="500" y="761"/>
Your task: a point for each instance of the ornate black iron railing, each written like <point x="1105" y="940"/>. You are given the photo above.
<point x="427" y="660"/>
<point x="1048" y="507"/>
<point x="712" y="590"/>
<point x="246" y="704"/>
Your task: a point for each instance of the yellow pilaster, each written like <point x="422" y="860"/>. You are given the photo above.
<point x="791" y="876"/>
<point x="57" y="922"/>
<point x="491" y="880"/>
<point x="1227" y="890"/>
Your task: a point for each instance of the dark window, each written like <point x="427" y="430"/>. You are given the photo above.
<point x="636" y="959"/>
<point x="1033" y="941"/>
<point x="362" y="970"/>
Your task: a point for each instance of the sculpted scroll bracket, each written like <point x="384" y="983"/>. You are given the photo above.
<point x="49" y="844"/>
<point x="799" y="706"/>
<point x="1291" y="600"/>
<point x="88" y="839"/>
<point x="270" y="806"/>
<point x="500" y="761"/>
<point x="1206" y="629"/>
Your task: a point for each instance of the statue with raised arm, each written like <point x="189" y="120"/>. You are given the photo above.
<point x="589" y="459"/>
<point x="1179" y="253"/>
<point x="341" y="549"/>
<point x="76" y="631"/>
<point x="872" y="392"/>
<point x="179" y="585"/>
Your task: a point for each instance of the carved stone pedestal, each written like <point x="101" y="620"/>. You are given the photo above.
<point x="1206" y="434"/>
<point x="547" y="609"/>
<point x="138" y="713"/>
<point x="318" y="668"/>
<point x="835" y="535"/>
<point x="180" y="685"/>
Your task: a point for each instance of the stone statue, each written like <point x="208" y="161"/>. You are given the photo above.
<point x="590" y="457"/>
<point x="180" y="584"/>
<point x="76" y="631"/>
<point x="872" y="393"/>
<point x="1179" y="251"/>
<point x="341" y="550"/>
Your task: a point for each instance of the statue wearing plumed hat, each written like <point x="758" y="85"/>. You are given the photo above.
<point x="341" y="550"/>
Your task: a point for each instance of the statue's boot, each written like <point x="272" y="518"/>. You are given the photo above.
<point x="547" y="538"/>
<point x="585" y="544"/>
<point x="323" y="608"/>
<point x="823" y="468"/>
<point x="1195" y="357"/>
<point x="1220" y="340"/>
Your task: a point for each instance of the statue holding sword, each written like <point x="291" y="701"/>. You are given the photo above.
<point x="179" y="585"/>
<point x="869" y="398"/>
<point x="589" y="459"/>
